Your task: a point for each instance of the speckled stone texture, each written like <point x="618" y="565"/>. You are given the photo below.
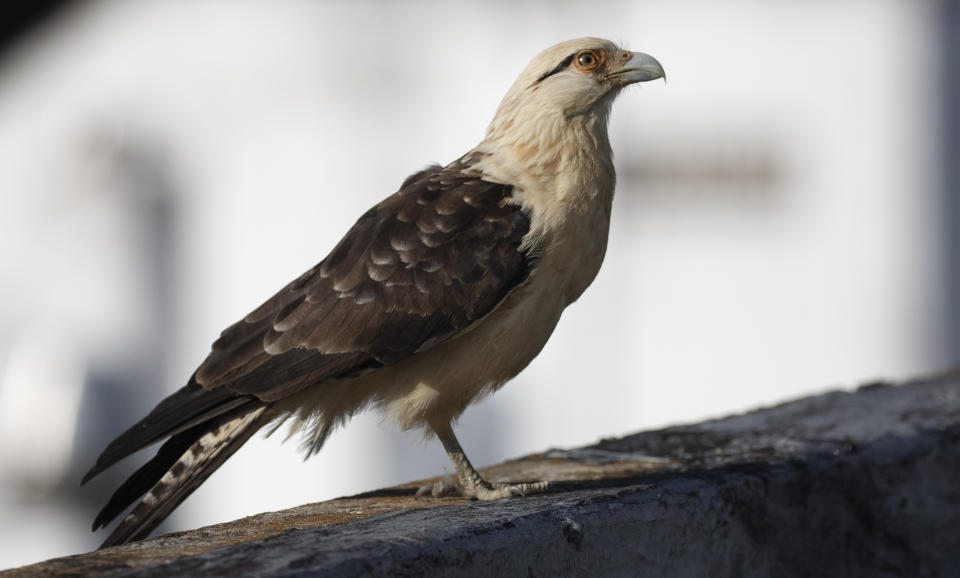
<point x="841" y="484"/>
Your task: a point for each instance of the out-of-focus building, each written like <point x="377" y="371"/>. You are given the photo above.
<point x="782" y="225"/>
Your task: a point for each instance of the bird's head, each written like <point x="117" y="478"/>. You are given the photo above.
<point x="575" y="80"/>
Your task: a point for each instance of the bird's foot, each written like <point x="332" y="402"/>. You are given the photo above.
<point x="488" y="491"/>
<point x="482" y="490"/>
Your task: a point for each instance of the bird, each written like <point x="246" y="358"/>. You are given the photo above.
<point x="434" y="298"/>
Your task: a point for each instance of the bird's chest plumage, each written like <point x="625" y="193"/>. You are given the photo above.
<point x="575" y="256"/>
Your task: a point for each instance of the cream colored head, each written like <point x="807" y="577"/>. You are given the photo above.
<point x="576" y="78"/>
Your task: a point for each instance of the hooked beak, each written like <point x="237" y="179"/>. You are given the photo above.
<point x="639" y="68"/>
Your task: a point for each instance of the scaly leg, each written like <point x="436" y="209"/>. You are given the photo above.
<point x="472" y="483"/>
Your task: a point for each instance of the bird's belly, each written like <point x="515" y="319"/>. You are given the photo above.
<point x="437" y="385"/>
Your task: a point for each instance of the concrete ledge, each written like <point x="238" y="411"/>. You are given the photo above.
<point x="841" y="484"/>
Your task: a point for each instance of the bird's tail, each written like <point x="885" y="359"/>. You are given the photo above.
<point x="184" y="462"/>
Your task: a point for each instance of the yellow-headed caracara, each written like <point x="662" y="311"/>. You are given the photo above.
<point x="436" y="297"/>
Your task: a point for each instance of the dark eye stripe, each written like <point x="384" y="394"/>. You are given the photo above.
<point x="563" y="64"/>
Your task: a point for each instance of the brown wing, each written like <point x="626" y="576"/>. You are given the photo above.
<point x="416" y="269"/>
<point x="413" y="271"/>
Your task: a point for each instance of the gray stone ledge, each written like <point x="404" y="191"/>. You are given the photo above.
<point x="839" y="484"/>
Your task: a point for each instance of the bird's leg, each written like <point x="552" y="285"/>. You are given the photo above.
<point x="472" y="483"/>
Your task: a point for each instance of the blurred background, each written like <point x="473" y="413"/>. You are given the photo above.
<point x="785" y="221"/>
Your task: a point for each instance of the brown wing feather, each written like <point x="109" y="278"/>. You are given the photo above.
<point x="416" y="269"/>
<point x="413" y="271"/>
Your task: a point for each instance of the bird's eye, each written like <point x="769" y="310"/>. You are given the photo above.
<point x="587" y="60"/>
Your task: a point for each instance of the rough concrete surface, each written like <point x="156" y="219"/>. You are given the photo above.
<point x="839" y="484"/>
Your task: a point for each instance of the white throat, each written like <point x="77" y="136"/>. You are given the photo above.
<point x="560" y="165"/>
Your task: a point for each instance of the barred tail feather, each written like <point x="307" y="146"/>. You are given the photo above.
<point x="214" y="442"/>
<point x="187" y="408"/>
